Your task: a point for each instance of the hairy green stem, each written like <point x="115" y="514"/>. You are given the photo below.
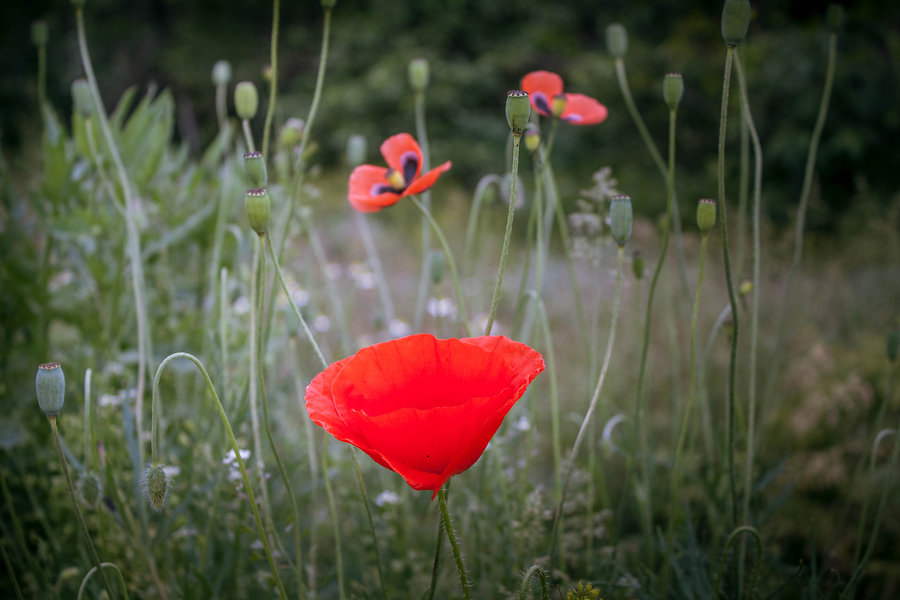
<point x="724" y="559"/>
<point x="273" y="80"/>
<point x="454" y="544"/>
<point x="534" y="570"/>
<point x="422" y="135"/>
<point x="365" y="499"/>
<point x="332" y="508"/>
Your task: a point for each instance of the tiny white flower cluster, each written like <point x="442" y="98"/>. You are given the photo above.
<point x="387" y="497"/>
<point x="441" y="307"/>
<point x="230" y="460"/>
<point x="362" y="276"/>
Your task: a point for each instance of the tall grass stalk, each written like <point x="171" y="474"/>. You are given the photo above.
<point x="743" y="529"/>
<point x="591" y="407"/>
<point x="384" y="292"/>
<point x="422" y="138"/>
<point x="251" y="497"/>
<point x="12" y="572"/>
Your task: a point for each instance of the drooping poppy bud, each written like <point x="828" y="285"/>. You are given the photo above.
<point x="436" y="263"/>
<point x="673" y="90"/>
<point x="50" y="385"/>
<point x="532" y="137"/>
<point x="735" y="20"/>
<point x="291" y="133"/>
<point x="246" y="100"/>
<point x="617" y="40"/>
<point x="893" y="344"/>
<point x="558" y="105"/>
<point x="258" y="206"/>
<point x="637" y="265"/>
<point x="706" y="215"/>
<point x="418" y="74"/>
<point x="835" y="18"/>
<point x="256" y="169"/>
<point x="82" y="98"/>
<point x="518" y="109"/>
<point x="620" y="218"/>
<point x="221" y="73"/>
<point x="156" y="485"/>
<point x="39" y="33"/>
<point x="356" y="150"/>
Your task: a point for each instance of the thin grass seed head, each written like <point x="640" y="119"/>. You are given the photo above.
<point x="735" y="20"/>
<point x="40" y="34"/>
<point x="418" y="75"/>
<point x="82" y="98"/>
<point x="518" y="110"/>
<point x="50" y="385"/>
<point x="156" y="486"/>
<point x="673" y="90"/>
<point x="255" y="165"/>
<point x="246" y="100"/>
<point x="616" y="40"/>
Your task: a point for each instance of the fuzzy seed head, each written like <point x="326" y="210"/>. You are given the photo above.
<point x="156" y="485"/>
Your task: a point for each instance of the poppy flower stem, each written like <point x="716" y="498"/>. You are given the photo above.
<point x="454" y="544"/>
<point x="604" y="369"/>
<point x="460" y="299"/>
<point x="332" y="509"/>
<point x="422" y="136"/>
<point x="251" y="497"/>
<point x="273" y="80"/>
<point x="365" y="498"/>
<point x="495" y="300"/>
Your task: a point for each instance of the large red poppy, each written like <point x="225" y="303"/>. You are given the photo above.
<point x="421" y="406"/>
<point x="373" y="188"/>
<point x="544" y="86"/>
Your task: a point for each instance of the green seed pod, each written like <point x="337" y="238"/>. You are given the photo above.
<point x="617" y="40"/>
<point x="246" y="100"/>
<point x="673" y="90"/>
<point x="156" y="485"/>
<point x="893" y="344"/>
<point x="221" y="73"/>
<point x="291" y="133"/>
<point x="706" y="215"/>
<point x="82" y="98"/>
<point x="418" y="74"/>
<point x="518" y="109"/>
<point x="258" y="206"/>
<point x="356" y="150"/>
<point x="835" y="18"/>
<point x="256" y="169"/>
<point x="735" y="20"/>
<point x="620" y="218"/>
<point x="77" y="3"/>
<point x="532" y="137"/>
<point x="39" y="33"/>
<point x="328" y="4"/>
<point x="436" y="264"/>
<point x="637" y="266"/>
<point x="50" y="385"/>
<point x="89" y="489"/>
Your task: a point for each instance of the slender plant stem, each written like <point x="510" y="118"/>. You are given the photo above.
<point x="384" y="293"/>
<point x="248" y="135"/>
<point x="454" y="544"/>
<point x="71" y="489"/>
<point x="11" y="571"/>
<point x="42" y="77"/>
<point x="221" y="110"/>
<point x="724" y="559"/>
<point x="495" y="300"/>
<point x="722" y="214"/>
<point x="93" y="570"/>
<point x="88" y="426"/>
<point x="251" y="498"/>
<point x="273" y="80"/>
<point x="454" y="273"/>
<point x="435" y="564"/>
<point x="555" y="436"/>
<point x="133" y="238"/>
<point x="332" y="507"/>
<point x="474" y="213"/>
<point x="422" y="136"/>
<point x="365" y="498"/>
<point x="591" y="407"/>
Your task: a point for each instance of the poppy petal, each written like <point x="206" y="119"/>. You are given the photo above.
<point x="400" y="151"/>
<point x="583" y="110"/>
<point x="427" y="180"/>
<point x="542" y="86"/>
<point x="368" y="186"/>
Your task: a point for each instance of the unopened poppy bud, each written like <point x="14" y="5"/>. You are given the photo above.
<point x="328" y="3"/>
<point x="616" y="40"/>
<point x="50" y="385"/>
<point x="620" y="218"/>
<point x="436" y="263"/>
<point x="39" y="33"/>
<point x="835" y="18"/>
<point x="673" y="89"/>
<point x="532" y="137"/>
<point x="246" y="100"/>
<point x="893" y="344"/>
<point x="81" y="98"/>
<point x="637" y="266"/>
<point x="735" y="20"/>
<point x="258" y="206"/>
<point x="706" y="215"/>
<point x="745" y="288"/>
<point x="518" y="109"/>
<point x="89" y="489"/>
<point x="558" y="105"/>
<point x="356" y="150"/>
<point x="156" y="485"/>
<point x="256" y="169"/>
<point x="221" y="73"/>
<point x="291" y="133"/>
<point x="418" y="74"/>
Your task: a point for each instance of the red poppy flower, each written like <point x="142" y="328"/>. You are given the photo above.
<point x="373" y="188"/>
<point x="544" y="86"/>
<point x="421" y="406"/>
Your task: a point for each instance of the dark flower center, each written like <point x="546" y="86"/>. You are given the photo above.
<point x="398" y="181"/>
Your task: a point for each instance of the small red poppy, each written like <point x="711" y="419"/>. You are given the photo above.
<point x="373" y="188"/>
<point x="544" y="86"/>
<point x="421" y="406"/>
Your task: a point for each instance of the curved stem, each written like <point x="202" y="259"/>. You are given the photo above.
<point x="93" y="570"/>
<point x="534" y="570"/>
<point x="273" y="81"/>
<point x="251" y="498"/>
<point x="593" y="404"/>
<point x="728" y="543"/>
<point x="495" y="300"/>
<point x="454" y="544"/>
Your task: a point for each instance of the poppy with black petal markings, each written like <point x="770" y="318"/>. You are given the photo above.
<point x="373" y="188"/>
<point x="544" y="87"/>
